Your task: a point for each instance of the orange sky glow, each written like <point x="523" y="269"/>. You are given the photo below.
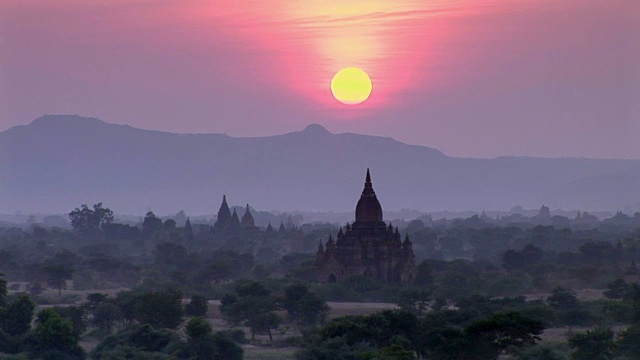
<point x="564" y="72"/>
<point x="395" y="42"/>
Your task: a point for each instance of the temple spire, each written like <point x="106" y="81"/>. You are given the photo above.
<point x="368" y="209"/>
<point x="368" y="186"/>
<point x="247" y="218"/>
<point x="224" y="215"/>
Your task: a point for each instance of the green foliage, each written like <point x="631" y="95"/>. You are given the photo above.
<point x="198" y="306"/>
<point x="502" y="333"/>
<point x="138" y="341"/>
<point x="58" y="275"/>
<point x="443" y="343"/>
<point x="224" y="348"/>
<point x="95" y="299"/>
<point x="393" y="352"/>
<point x="292" y="296"/>
<point x="629" y="342"/>
<point x="237" y="335"/>
<point x="544" y="352"/>
<point x="424" y="274"/>
<point x="127" y="303"/>
<point x="336" y="348"/>
<point x="144" y="342"/>
<point x="198" y="328"/>
<point x="15" y="320"/>
<point x="151" y="224"/>
<point x="562" y="299"/>
<point x="414" y="301"/>
<point x="616" y="311"/>
<point x="3" y="290"/>
<point x="596" y="344"/>
<point x="306" y="308"/>
<point x="105" y="315"/>
<point x="88" y="222"/>
<point x="312" y="310"/>
<point x="529" y="256"/>
<point x="53" y="334"/>
<point x="78" y="316"/>
<point x="616" y="289"/>
<point x="161" y="309"/>
<point x="377" y="330"/>
<point x="254" y="307"/>
<point x="361" y="284"/>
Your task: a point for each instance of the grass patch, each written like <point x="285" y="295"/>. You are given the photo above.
<point x="256" y="353"/>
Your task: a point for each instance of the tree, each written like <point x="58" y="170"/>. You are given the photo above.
<point x="170" y="253"/>
<point x="207" y="346"/>
<point x="78" y="316"/>
<point x="217" y="271"/>
<point x="55" y="334"/>
<point x="393" y="352"/>
<point x="596" y="344"/>
<point x="127" y="303"/>
<point x="628" y="343"/>
<point x="198" y="328"/>
<point x="501" y="333"/>
<point x="254" y="307"/>
<point x="562" y="299"/>
<point x="312" y="310"/>
<point x="160" y="309"/>
<point x="104" y="315"/>
<point x="151" y="224"/>
<point x="414" y="301"/>
<point x="140" y="341"/>
<point x="616" y="289"/>
<point x="95" y="299"/>
<point x="16" y="318"/>
<point x="3" y="291"/>
<point x="198" y="306"/>
<point x="226" y="348"/>
<point x="444" y="343"/>
<point x="542" y="352"/>
<point x="169" y="225"/>
<point x="351" y="337"/>
<point x="89" y="222"/>
<point x="58" y="275"/>
<point x="424" y="274"/>
<point x="292" y="296"/>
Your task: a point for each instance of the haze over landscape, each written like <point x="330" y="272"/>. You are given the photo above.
<point x="319" y="179"/>
<point x="57" y="162"/>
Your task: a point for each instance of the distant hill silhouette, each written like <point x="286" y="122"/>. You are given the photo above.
<point x="59" y="162"/>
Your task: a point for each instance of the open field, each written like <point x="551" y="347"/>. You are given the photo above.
<point x="260" y="353"/>
<point x="253" y="352"/>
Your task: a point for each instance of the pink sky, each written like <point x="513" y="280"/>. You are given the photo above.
<point x="477" y="78"/>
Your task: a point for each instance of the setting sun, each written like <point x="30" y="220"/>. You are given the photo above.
<point x="351" y="86"/>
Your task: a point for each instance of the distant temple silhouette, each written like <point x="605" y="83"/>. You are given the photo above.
<point x="227" y="221"/>
<point x="243" y="232"/>
<point x="367" y="247"/>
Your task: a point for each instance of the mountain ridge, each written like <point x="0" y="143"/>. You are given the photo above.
<point x="60" y="161"/>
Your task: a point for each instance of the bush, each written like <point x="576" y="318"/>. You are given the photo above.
<point x="236" y="335"/>
<point x="546" y="351"/>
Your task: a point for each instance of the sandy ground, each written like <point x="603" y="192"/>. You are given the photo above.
<point x="581" y="294"/>
<point x="337" y="308"/>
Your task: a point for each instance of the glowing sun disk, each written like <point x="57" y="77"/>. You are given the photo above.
<point x="351" y="86"/>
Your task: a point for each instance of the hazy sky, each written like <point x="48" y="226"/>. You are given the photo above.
<point x="478" y="78"/>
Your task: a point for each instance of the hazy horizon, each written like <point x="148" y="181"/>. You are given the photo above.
<point x="305" y="126"/>
<point x="59" y="162"/>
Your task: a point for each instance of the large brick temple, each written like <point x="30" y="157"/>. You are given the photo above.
<point x="367" y="246"/>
